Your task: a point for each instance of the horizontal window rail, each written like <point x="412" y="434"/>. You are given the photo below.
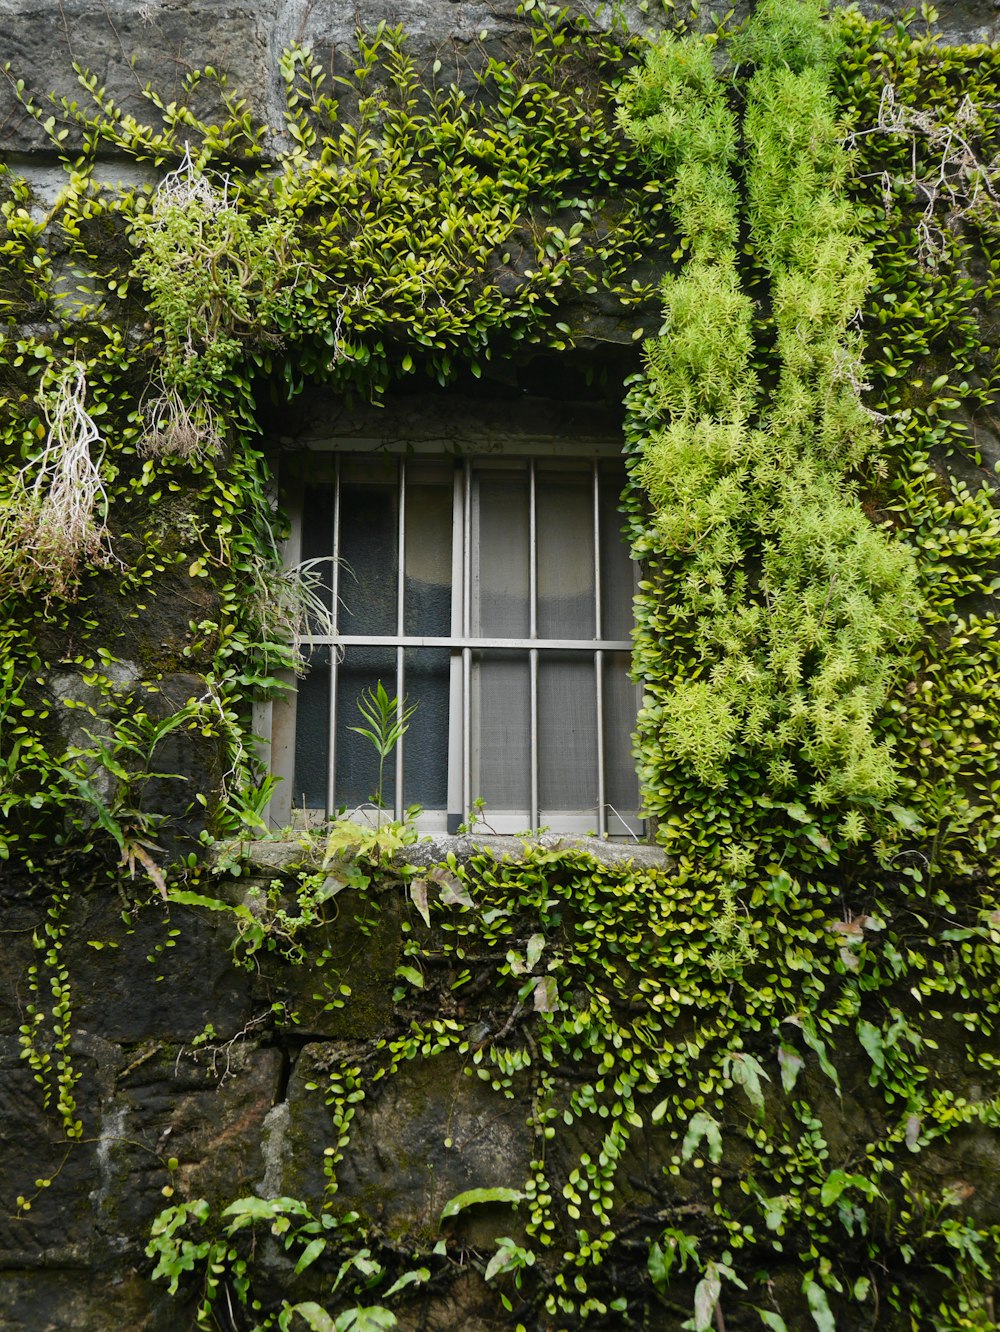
<point x="515" y="644"/>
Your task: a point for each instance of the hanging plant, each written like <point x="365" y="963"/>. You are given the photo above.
<point x="52" y="520"/>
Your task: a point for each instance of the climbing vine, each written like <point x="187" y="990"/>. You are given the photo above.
<point x="717" y="1117"/>
<point x="735" y="1070"/>
<point x="793" y="585"/>
<point x="403" y="235"/>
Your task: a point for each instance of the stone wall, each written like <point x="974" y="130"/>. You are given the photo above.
<point x="183" y="1051"/>
<point x="157" y="42"/>
<point x="178" y="1049"/>
<point x="205" y="1073"/>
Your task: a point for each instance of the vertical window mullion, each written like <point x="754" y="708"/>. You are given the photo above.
<point x="331" y="780"/>
<point x="283" y="715"/>
<point x="466" y="634"/>
<point x="602" y="799"/>
<point x="602" y="813"/>
<point x="598" y="610"/>
<point x="400" y="695"/>
<point x="456" y="691"/>
<point x="400" y="623"/>
<point x="533" y="818"/>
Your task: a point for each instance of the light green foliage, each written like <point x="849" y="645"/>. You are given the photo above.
<point x="46" y="1032"/>
<point x="806" y="236"/>
<point x="473" y="1196"/>
<point x="416" y="232"/>
<point x="217" y="279"/>
<point x="784" y="36"/>
<point x="386" y="722"/>
<point x="934" y="375"/>
<point x="676" y="110"/>
<point x="700" y="366"/>
<point x="817" y="640"/>
<point x="304" y="1236"/>
<point x="383" y="233"/>
<point x="726" y="1075"/>
<point x="774" y="613"/>
<point x="285" y="918"/>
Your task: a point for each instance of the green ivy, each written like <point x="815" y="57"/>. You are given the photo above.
<point x="421" y="231"/>
<point x="817" y="641"/>
<point x="726" y="1100"/>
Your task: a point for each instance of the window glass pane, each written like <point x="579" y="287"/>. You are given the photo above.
<point x="617" y="570"/>
<point x="498" y="565"/>
<point x="425" y="744"/>
<point x="357" y="761"/>
<point x="500" y="554"/>
<point x="501" y="731"/>
<point x="565" y="538"/>
<point x="427" y="591"/>
<point x="369" y="529"/>
<point x="567" y="723"/>
<point x="317" y="532"/>
<point x="620" y="706"/>
<point x="312" y="734"/>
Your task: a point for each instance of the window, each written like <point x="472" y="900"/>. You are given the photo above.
<point x="495" y="593"/>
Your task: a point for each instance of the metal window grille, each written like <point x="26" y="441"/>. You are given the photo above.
<point x="495" y="593"/>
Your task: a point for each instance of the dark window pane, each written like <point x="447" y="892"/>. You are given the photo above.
<point x="500" y="530"/>
<point x="312" y="734"/>
<point x="317" y="533"/>
<point x="425" y="744"/>
<point x="567" y="722"/>
<point x="368" y="552"/>
<point x="565" y="542"/>
<point x="620" y="706"/>
<point x="427" y="592"/>
<point x="501" y="731"/>
<point x="357" y="760"/>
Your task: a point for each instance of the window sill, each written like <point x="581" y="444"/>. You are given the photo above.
<point x="262" y="857"/>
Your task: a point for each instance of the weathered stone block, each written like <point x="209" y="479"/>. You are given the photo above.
<point x="206" y="1108"/>
<point x="419" y="1138"/>
<point x="80" y="1301"/>
<point x="128" y="46"/>
<point x="350" y="995"/>
<point x="58" y="1230"/>
<point x="163" y="976"/>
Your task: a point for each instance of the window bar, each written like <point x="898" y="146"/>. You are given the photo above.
<point x="533" y="633"/>
<point x="480" y="642"/>
<point x="331" y="779"/>
<point x="602" y="813"/>
<point x="466" y="632"/>
<point x="400" y="629"/>
<point x="456" y="781"/>
<point x="275" y="721"/>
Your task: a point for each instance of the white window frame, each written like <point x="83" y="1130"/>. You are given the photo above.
<point x="274" y="721"/>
